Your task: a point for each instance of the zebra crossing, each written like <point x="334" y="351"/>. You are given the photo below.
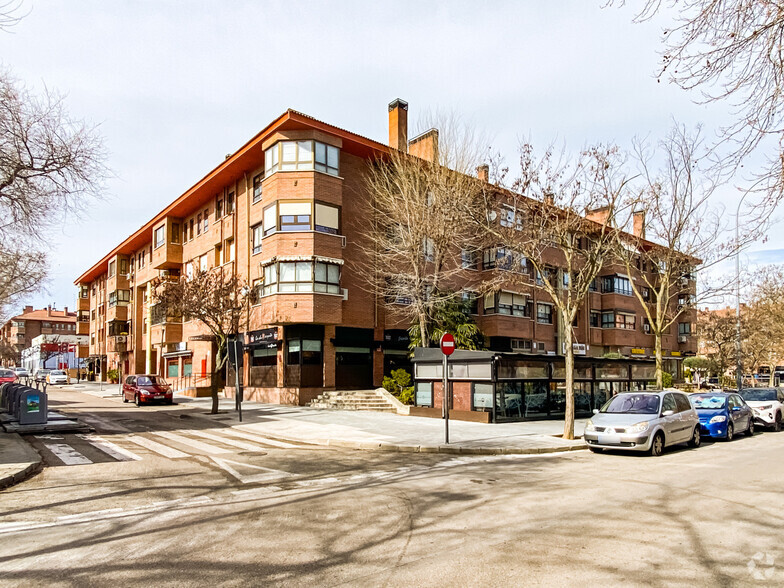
<point x="86" y="449"/>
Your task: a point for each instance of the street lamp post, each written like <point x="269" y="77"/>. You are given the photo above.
<point x="738" y="366"/>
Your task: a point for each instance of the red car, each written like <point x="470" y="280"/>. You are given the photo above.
<point x="146" y="388"/>
<point x="7" y="376"/>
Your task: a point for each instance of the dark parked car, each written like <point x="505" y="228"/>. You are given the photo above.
<point x="146" y="388"/>
<point x="723" y="414"/>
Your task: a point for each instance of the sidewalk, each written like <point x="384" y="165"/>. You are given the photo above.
<point x="18" y="460"/>
<point x="388" y="432"/>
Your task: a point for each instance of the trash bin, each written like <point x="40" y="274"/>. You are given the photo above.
<point x="33" y="407"/>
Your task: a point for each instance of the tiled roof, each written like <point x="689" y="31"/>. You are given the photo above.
<point x="42" y="315"/>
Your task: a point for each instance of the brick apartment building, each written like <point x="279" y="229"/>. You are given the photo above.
<point x="284" y="212"/>
<point x="20" y="330"/>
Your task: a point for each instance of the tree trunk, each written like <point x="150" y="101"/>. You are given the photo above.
<point x="659" y="361"/>
<point x="220" y="352"/>
<point x="569" y="365"/>
<point x="423" y="334"/>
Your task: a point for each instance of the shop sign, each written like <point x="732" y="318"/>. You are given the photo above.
<point x="638" y="351"/>
<point x="263" y="336"/>
<point x="201" y="338"/>
<point x="675" y="353"/>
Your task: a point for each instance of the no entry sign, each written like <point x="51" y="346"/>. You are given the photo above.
<point x="447" y="344"/>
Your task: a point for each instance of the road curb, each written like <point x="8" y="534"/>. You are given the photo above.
<point x="25" y="473"/>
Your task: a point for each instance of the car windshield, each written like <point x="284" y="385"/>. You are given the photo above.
<point x="758" y="394"/>
<point x="6" y="373"/>
<point x="633" y="404"/>
<point x="708" y="401"/>
<point x="150" y="381"/>
<point x="57" y="373"/>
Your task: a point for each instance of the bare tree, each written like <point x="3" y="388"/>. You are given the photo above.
<point x="546" y="240"/>
<point x="732" y="51"/>
<point x="763" y="335"/>
<point x="10" y="14"/>
<point x="716" y="330"/>
<point x="216" y="299"/>
<point x="50" y="165"/>
<point x="416" y="229"/>
<point x="682" y="233"/>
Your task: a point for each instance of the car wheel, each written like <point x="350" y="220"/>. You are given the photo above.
<point x="657" y="445"/>
<point x="750" y="430"/>
<point x="136" y="400"/>
<point x="595" y="449"/>
<point x="696" y="439"/>
<point x="777" y="422"/>
<point x="730" y="432"/>
<point x="125" y="398"/>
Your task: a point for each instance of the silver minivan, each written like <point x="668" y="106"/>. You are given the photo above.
<point x="646" y="420"/>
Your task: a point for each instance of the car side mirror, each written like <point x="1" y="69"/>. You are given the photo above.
<point x="735" y="408"/>
<point x="595" y="411"/>
<point x="668" y="413"/>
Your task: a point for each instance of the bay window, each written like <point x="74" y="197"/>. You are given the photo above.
<point x="618" y="320"/>
<point x="287" y="216"/>
<point x="294" y="216"/>
<point x="301" y="155"/>
<point x="301" y="276"/>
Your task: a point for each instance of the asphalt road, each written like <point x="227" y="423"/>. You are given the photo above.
<point x="159" y="498"/>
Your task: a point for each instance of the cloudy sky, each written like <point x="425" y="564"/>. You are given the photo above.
<point x="176" y="85"/>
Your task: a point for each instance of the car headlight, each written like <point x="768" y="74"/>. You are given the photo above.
<point x="718" y="419"/>
<point x="765" y="407"/>
<point x="589" y="428"/>
<point x="638" y="428"/>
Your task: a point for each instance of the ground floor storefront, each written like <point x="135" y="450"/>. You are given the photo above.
<point x="497" y="387"/>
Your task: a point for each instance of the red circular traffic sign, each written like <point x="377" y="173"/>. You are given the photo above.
<point x="447" y="344"/>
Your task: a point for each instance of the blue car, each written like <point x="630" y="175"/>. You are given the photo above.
<point x="723" y="414"/>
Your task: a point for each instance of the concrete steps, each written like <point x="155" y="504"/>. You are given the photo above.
<point x="353" y="400"/>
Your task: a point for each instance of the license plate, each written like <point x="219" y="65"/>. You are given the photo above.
<point x="609" y="439"/>
<point x="159" y="397"/>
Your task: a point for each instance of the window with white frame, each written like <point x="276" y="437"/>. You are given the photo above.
<point x="257" y="234"/>
<point x="301" y="155"/>
<point x="257" y="188"/>
<point x="270" y="219"/>
<point x="203" y="263"/>
<point x="160" y="236"/>
<point x="301" y="276"/>
<point x="294" y="216"/>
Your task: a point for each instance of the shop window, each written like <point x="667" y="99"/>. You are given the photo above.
<point x="482" y="397"/>
<point x="424" y="394"/>
<point x="173" y="369"/>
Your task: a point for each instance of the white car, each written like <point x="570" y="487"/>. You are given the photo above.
<point x="21" y="372"/>
<point x="57" y="377"/>
<point x="767" y="404"/>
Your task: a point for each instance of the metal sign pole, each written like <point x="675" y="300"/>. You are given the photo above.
<point x="445" y="401"/>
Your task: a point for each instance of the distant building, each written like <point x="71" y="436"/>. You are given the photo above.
<point x="19" y="331"/>
<point x="55" y="352"/>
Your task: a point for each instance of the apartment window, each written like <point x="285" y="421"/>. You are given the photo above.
<point x="327" y="219"/>
<point x="616" y="285"/>
<point x="595" y="319"/>
<point x="218" y="208"/>
<point x="229" y="250"/>
<point x="198" y="224"/>
<point x="508" y="303"/>
<point x="92" y="315"/>
<point x="618" y="320"/>
<point x="470" y="302"/>
<point x="509" y="218"/>
<point x="301" y="155"/>
<point x="142" y="255"/>
<point x="468" y="259"/>
<point x="206" y="219"/>
<point x="684" y="328"/>
<point x="544" y="313"/>
<point x="646" y="294"/>
<point x="270" y="219"/>
<point x="190" y="238"/>
<point x="119" y="297"/>
<point x="189" y="271"/>
<point x="592" y="287"/>
<point x="302" y="276"/>
<point x="112" y="268"/>
<point x="257" y="188"/>
<point x="294" y="216"/>
<point x="203" y="263"/>
<point x="123" y="266"/>
<point x="230" y="203"/>
<point x="218" y="255"/>
<point x="258" y="233"/>
<point x="83" y="292"/>
<point x="159" y="236"/>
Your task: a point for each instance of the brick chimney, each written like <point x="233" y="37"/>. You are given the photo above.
<point x="27" y="309"/>
<point x="598" y="215"/>
<point x="638" y="228"/>
<point x="398" y="125"/>
<point x="65" y="311"/>
<point x="49" y="310"/>
<point x="425" y="145"/>
<point x="483" y="172"/>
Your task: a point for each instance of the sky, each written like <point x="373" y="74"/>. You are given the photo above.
<point x="174" y="86"/>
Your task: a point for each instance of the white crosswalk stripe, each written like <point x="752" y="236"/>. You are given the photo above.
<point x="259" y="439"/>
<point x="109" y="448"/>
<point x="67" y="454"/>
<point x="198" y="445"/>
<point x="158" y="448"/>
<point x="226" y="440"/>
